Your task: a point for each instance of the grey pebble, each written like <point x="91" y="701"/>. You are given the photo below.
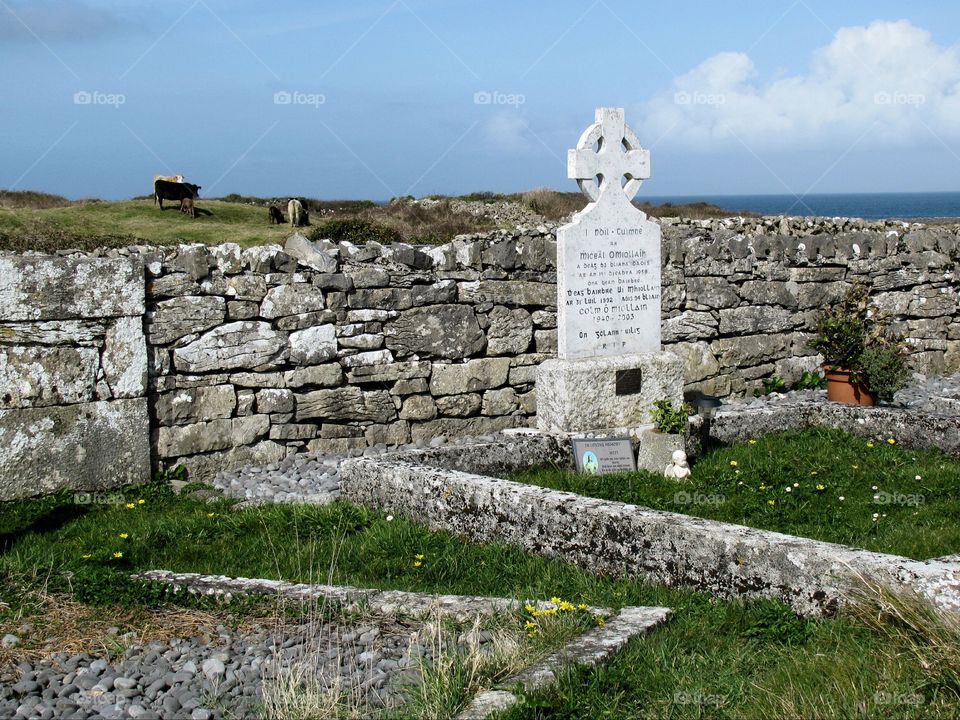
<point x="213" y="669"/>
<point x="68" y="690"/>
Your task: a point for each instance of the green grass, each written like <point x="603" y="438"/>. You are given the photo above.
<point x="916" y="505"/>
<point x="35" y="221"/>
<point x="714" y="659"/>
<point x="87" y="224"/>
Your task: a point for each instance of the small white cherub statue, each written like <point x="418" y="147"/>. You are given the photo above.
<point x="678" y="468"/>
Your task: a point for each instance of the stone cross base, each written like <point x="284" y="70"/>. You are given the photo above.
<point x="609" y="392"/>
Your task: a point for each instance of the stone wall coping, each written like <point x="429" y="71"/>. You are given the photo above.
<point x="382" y="602"/>
<point x="800" y="239"/>
<point x="812" y="576"/>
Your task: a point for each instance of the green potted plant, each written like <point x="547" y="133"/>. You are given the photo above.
<point x="668" y="419"/>
<point x="668" y="434"/>
<point x="864" y="360"/>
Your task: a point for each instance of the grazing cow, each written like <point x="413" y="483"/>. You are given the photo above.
<point x="166" y="190"/>
<point x="187" y="208"/>
<point x="276" y="217"/>
<point x="298" y="214"/>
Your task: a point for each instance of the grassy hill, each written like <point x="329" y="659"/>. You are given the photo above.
<point x="89" y="223"/>
<point x="40" y="221"/>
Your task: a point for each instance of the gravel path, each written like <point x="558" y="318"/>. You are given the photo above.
<point x="222" y="674"/>
<point x="307" y="477"/>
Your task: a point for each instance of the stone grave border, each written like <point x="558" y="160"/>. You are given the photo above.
<point x="458" y="489"/>
<point x="590" y="648"/>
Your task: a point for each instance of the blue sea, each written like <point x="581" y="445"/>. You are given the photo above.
<point x="869" y="206"/>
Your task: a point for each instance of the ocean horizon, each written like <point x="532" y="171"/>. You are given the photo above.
<point x="869" y="206"/>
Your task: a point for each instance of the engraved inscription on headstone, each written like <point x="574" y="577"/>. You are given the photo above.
<point x="609" y="257"/>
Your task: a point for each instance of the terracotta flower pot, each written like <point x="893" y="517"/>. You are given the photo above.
<point x="841" y="389"/>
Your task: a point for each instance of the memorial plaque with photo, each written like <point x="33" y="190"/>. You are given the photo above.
<point x="604" y="456"/>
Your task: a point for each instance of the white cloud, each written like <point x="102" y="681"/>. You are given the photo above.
<point x="507" y="130"/>
<point x="882" y="84"/>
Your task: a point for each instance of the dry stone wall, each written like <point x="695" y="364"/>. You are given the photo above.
<point x="254" y="354"/>
<point x="320" y="347"/>
<point x="73" y="375"/>
<point x="741" y="297"/>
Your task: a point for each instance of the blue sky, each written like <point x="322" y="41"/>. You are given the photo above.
<point x="376" y="99"/>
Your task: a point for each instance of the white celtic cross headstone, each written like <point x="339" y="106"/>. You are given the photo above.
<point x="610" y="368"/>
<point x="608" y="258"/>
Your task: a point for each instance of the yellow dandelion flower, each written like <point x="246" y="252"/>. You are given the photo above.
<point x="751" y="441"/>
<point x="210" y="514"/>
<point x="130" y="506"/>
<point x="771" y="502"/>
<point x="141" y="501"/>
<point x="821" y="488"/>
<point x="891" y="441"/>
<point x="417" y="564"/>
<point x="855" y="466"/>
<point x="118" y="554"/>
<point x="582" y="606"/>
<point x="567" y="606"/>
<point x="869" y="444"/>
<point x="813" y="472"/>
<point x="419" y="556"/>
<point x="123" y="536"/>
<point x="733" y="463"/>
<point x="530" y="625"/>
<point x="555" y="600"/>
<point x="86" y="556"/>
<point x="600" y="620"/>
<point x="530" y="608"/>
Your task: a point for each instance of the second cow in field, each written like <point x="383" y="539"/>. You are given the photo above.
<point x="166" y="190"/>
<point x="298" y="214"/>
<point x="276" y="217"/>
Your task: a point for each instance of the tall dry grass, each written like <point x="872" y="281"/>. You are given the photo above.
<point x="14" y="199"/>
<point x="914" y="625"/>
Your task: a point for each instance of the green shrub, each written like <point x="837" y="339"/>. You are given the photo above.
<point x="854" y="333"/>
<point x="883" y="370"/>
<point x="810" y="380"/>
<point x="354" y="230"/>
<point x="771" y="385"/>
<point x="669" y="419"/>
